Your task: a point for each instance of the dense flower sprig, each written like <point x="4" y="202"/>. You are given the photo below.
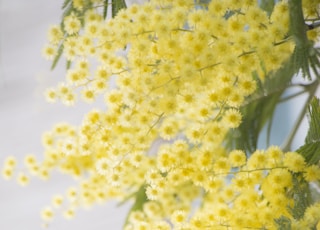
<point x="181" y="72"/>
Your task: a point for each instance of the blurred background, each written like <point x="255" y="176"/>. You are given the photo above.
<point x="24" y="116"/>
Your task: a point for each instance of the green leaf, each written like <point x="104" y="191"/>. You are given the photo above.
<point x="67" y="11"/>
<point x="311" y="149"/>
<point x="298" y="27"/>
<point x="204" y="2"/>
<point x="66" y="3"/>
<point x="313" y="134"/>
<point x="68" y="64"/>
<point x="117" y="5"/>
<point x="57" y="57"/>
<point x="310" y="152"/>
<point x="259" y="108"/>
<point x="267" y="5"/>
<point x="306" y="58"/>
<point x="301" y="194"/>
<point x="305" y="54"/>
<point x="140" y="199"/>
<point x="283" y="223"/>
<point x="315" y="194"/>
<point x="105" y="9"/>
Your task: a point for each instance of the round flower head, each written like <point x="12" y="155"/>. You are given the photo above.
<point x="294" y="161"/>
<point x="237" y="158"/>
<point x="72" y="24"/>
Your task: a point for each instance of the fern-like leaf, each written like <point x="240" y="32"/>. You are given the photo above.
<point x="311" y="149"/>
<point x="306" y="58"/>
<point x="57" y="57"/>
<point x="140" y="199"/>
<point x="66" y="3"/>
<point x="305" y="54"/>
<point x="117" y="5"/>
<point x="105" y="9"/>
<point x="283" y="223"/>
<point x="267" y="5"/>
<point x="259" y="109"/>
<point x="301" y="194"/>
<point x="313" y="134"/>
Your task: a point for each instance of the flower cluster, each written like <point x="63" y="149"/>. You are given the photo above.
<point x="235" y="193"/>
<point x="181" y="73"/>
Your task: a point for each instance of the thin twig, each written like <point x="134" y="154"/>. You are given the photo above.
<point x="287" y="144"/>
<point x="292" y="96"/>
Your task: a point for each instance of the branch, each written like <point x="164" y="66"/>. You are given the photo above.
<point x="287" y="144"/>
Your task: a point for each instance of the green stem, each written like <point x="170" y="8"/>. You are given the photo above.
<point x="287" y="144"/>
<point x="297" y="24"/>
<point x="292" y="96"/>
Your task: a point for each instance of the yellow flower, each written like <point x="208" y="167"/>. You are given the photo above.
<point x="71" y="24"/>
<point x="69" y="213"/>
<point x="294" y="161"/>
<point x="103" y="166"/>
<point x="221" y="165"/>
<point x="152" y="193"/>
<point x="237" y="158"/>
<point x="49" y="52"/>
<point x="47" y="214"/>
<point x="55" y="34"/>
<point x="23" y="179"/>
<point x="179" y="217"/>
<point x="179" y="75"/>
<point x="7" y="172"/>
<point x="280" y="178"/>
<point x="169" y="129"/>
<point x="312" y="173"/>
<point x="57" y="201"/>
<point x="232" y="118"/>
<point x="88" y="95"/>
<point x="79" y="4"/>
<point x="10" y="162"/>
<point x="51" y="95"/>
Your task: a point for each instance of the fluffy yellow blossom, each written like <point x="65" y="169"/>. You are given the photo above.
<point x="30" y="160"/>
<point x="47" y="214"/>
<point x="55" y="34"/>
<point x="174" y="76"/>
<point x="7" y="173"/>
<point x="10" y="161"/>
<point x="79" y="4"/>
<point x="23" y="179"/>
<point x="237" y="158"/>
<point x="72" y="24"/>
<point x="49" y="52"/>
<point x="312" y="173"/>
<point x="57" y="201"/>
<point x="51" y="95"/>
<point x="257" y="160"/>
<point x="179" y="217"/>
<point x="232" y="118"/>
<point x="69" y="213"/>
<point x="294" y="161"/>
<point x="274" y="154"/>
<point x="88" y="94"/>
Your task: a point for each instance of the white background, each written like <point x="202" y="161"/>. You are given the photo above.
<point x="24" y="115"/>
